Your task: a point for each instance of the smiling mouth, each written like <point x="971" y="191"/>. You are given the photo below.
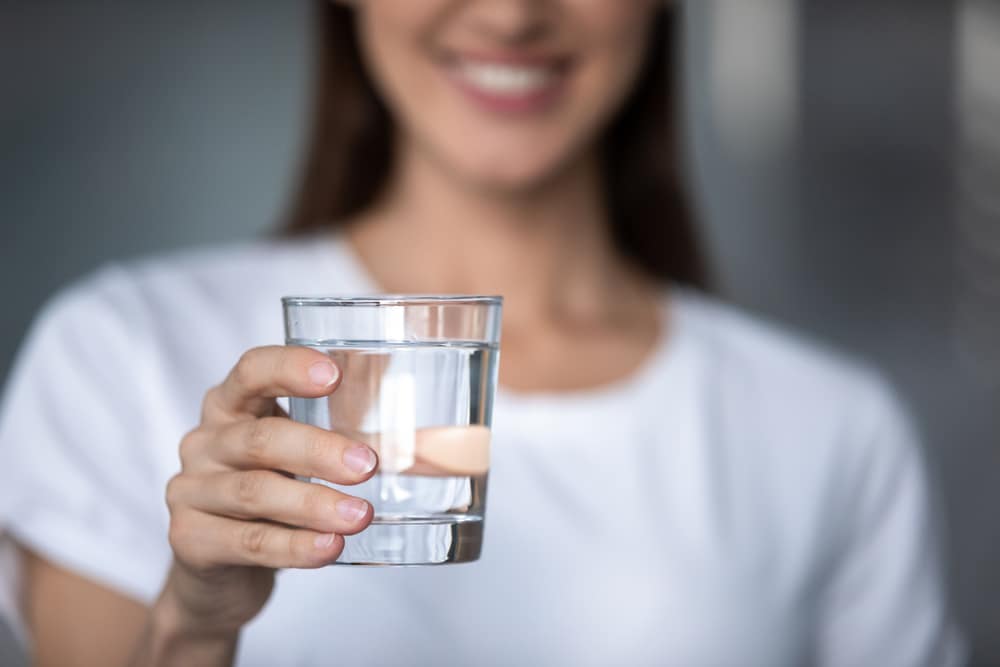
<point x="509" y="83"/>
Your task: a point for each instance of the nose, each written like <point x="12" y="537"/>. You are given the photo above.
<point x="511" y="21"/>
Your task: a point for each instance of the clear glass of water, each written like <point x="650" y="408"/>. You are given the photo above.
<point x="419" y="375"/>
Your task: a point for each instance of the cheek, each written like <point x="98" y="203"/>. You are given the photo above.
<point x="616" y="34"/>
<point x="390" y="39"/>
<point x="410" y="82"/>
<point x="612" y="16"/>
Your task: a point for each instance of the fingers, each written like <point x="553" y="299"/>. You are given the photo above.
<point x="205" y="541"/>
<point x="263" y="494"/>
<point x="265" y="373"/>
<point x="280" y="444"/>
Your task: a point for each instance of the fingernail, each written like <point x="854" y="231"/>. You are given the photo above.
<point x="352" y="509"/>
<point x="324" y="541"/>
<point x="323" y="373"/>
<point x="360" y="459"/>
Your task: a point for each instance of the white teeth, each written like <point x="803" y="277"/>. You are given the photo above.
<point x="506" y="79"/>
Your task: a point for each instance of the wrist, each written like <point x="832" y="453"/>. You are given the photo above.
<point x="176" y="638"/>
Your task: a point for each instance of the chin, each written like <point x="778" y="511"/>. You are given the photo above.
<point x="513" y="176"/>
<point x="514" y="180"/>
<point x="512" y="185"/>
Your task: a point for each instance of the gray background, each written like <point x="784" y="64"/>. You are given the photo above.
<point x="133" y="127"/>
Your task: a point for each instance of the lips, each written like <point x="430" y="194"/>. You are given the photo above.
<point x="509" y="84"/>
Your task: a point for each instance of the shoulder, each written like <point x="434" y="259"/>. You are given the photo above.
<point x="823" y="436"/>
<point x="793" y="390"/>
<point x="156" y="331"/>
<point x="234" y="260"/>
<point x="202" y="285"/>
<point x="765" y="351"/>
<point x="224" y="271"/>
<point x="752" y="350"/>
<point x="182" y="316"/>
<point x="219" y="265"/>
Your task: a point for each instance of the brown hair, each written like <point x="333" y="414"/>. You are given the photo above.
<point x="350" y="152"/>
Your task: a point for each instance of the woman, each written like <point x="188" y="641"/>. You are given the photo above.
<point x="673" y="482"/>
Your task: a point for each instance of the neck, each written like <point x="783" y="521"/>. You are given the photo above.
<point x="547" y="251"/>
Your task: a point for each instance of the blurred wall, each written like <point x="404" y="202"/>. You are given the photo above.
<point x="130" y="127"/>
<point x="822" y="140"/>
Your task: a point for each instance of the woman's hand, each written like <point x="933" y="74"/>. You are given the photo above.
<point x="236" y="513"/>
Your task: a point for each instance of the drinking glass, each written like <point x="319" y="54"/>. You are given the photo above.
<point x="418" y="378"/>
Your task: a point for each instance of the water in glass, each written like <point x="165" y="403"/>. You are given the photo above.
<point x="425" y="408"/>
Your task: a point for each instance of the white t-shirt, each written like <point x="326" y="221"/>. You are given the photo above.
<point x="744" y="499"/>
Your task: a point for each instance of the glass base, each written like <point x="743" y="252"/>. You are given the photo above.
<point x="431" y="541"/>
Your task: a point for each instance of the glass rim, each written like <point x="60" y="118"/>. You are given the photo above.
<point x="394" y="300"/>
